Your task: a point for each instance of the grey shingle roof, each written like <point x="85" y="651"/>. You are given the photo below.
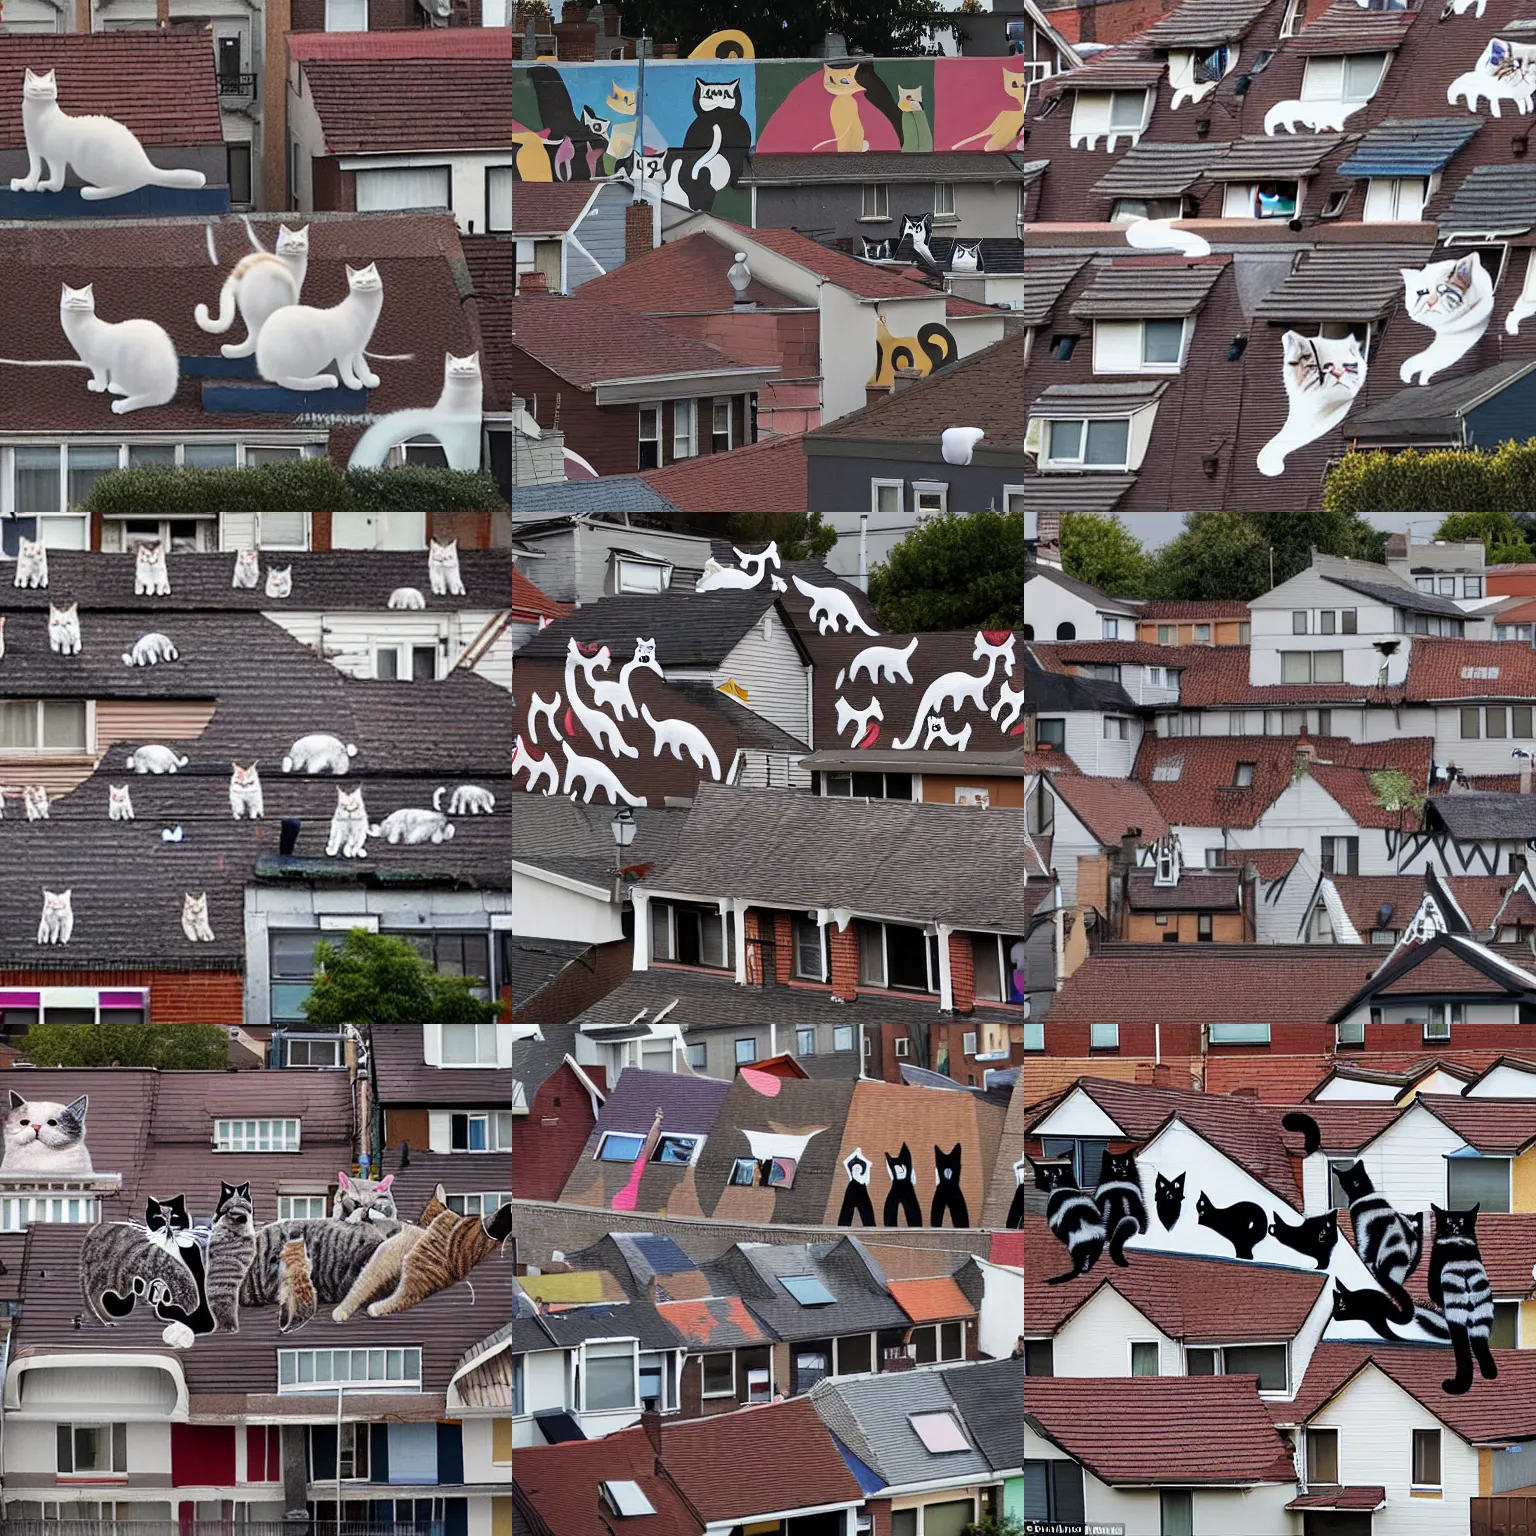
<point x="1205" y="21"/>
<point x="571" y="498"/>
<point x="402" y="1076"/>
<point x="1344" y="283"/>
<point x="890" y="165"/>
<point x="1492" y="200"/>
<point x="568" y="838"/>
<point x="690" y="629"/>
<point x="537" y="962"/>
<point x="1157" y="170"/>
<point x="1436" y="411"/>
<point x="875" y="857"/>
<point x="1045" y="280"/>
<point x="1472" y="817"/>
<point x="1410" y="146"/>
<point x="611" y="1319"/>
<point x="753" y="1271"/>
<point x="1096" y="400"/>
<point x="1142" y="290"/>
<point x="1257" y="158"/>
<point x="990" y="1396"/>
<point x="1049" y="692"/>
<point x="1405" y="597"/>
<point x="1073" y="493"/>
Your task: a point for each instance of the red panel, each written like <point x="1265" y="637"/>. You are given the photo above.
<point x="202" y="1455"/>
<point x="274" y="1454"/>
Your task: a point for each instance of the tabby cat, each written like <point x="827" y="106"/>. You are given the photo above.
<point x="338" y="1250"/>
<point x="450" y="1248"/>
<point x="384" y="1266"/>
<point x="122" y="1262"/>
<point x="295" y="1287"/>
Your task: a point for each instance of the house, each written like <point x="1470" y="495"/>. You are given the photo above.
<point x="1059" y="607"/>
<point x="990" y="1397"/>
<point x="555" y="1104"/>
<point x="576" y="541"/>
<point x="1087" y="818"/>
<point x="1094" y="722"/>
<point x="1177" y="621"/>
<point x="562" y="234"/>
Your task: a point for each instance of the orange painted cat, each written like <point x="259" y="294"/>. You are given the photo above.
<point x="845" y="81"/>
<point x="1004" y="129"/>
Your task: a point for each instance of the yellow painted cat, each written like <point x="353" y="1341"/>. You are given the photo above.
<point x="842" y="84"/>
<point x="621" y="102"/>
<point x="931" y="348"/>
<point x="532" y="159"/>
<point x="1004" y="129"/>
<point x="729" y="44"/>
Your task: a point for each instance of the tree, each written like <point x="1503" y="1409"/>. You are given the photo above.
<point x="375" y="979"/>
<point x="1330" y="530"/>
<point x="185" y="1047"/>
<point x="959" y="571"/>
<point x="1219" y="554"/>
<point x="1504" y="540"/>
<point x="1103" y="552"/>
<point x="799" y="535"/>
<point x="790" y="29"/>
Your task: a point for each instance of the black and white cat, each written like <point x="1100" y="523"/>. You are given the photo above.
<point x="1459" y="1286"/>
<point x="1390" y="1243"/>
<point x="1121" y="1204"/>
<point x="1322" y="377"/>
<point x="1073" y="1218"/>
<point x="948" y="1197"/>
<point x="875" y="250"/>
<point x="917" y="231"/>
<point x="901" y="1198"/>
<point x="965" y="256"/>
<point x="714" y="149"/>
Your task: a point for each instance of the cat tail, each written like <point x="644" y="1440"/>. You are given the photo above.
<point x="1305" y="1127"/>
<point x="437" y="797"/>
<point x="226" y="315"/>
<point x="1271" y="459"/>
<point x="374" y="445"/>
<point x="1432" y="1322"/>
<point x="1461" y="1382"/>
<point x="1125" y="1229"/>
<point x="1406" y="1307"/>
<point x="191" y="181"/>
<point x="1485" y="1361"/>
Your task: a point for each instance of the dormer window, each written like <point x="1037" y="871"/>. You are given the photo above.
<point x="1261" y="200"/>
<point x="1103" y="444"/>
<point x="1350" y="78"/>
<point x="640" y="575"/>
<point x="1194" y="74"/>
<point x="1110" y="115"/>
<point x="1242" y="778"/>
<point x="1128" y="209"/>
<point x="1396" y="199"/>
<point x="1140" y="346"/>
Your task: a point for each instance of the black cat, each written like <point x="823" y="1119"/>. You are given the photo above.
<point x="1459" y="1286"/>
<point x="1016" y="1206"/>
<point x="1373" y="1307"/>
<point x="901" y="1198"/>
<point x="1073" y="1218"/>
<point x="1306" y="1127"/>
<point x="1169" y="1195"/>
<point x="856" y="1201"/>
<point x="1120" y="1203"/>
<point x="172" y="1217"/>
<point x="948" y="1197"/>
<point x="714" y="149"/>
<point x="1390" y="1243"/>
<point x="558" y="117"/>
<point x="1244" y="1225"/>
<point x="1315" y="1236"/>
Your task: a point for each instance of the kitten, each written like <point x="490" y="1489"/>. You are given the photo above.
<point x="1390" y="1243"/>
<point x="35" y="798"/>
<point x="194" y="918"/>
<point x="349" y="826"/>
<point x="43" y="1137"/>
<point x="470" y="800"/>
<point x="454" y="422"/>
<point x="150" y="577"/>
<point x="279" y="582"/>
<point x="247" y="568"/>
<point x="1169" y="1197"/>
<point x="948" y="1197"/>
<point x="414" y="825"/>
<point x="901" y="1198"/>
<point x="1073" y="1218"/>
<point x="150" y="650"/>
<point x="408" y="598"/>
<point x="1322" y="377"/>
<point x="260" y="284"/>
<point x="1454" y="299"/>
<point x="318" y="754"/>
<point x="1121" y="1204"/>
<point x="64" y="629"/>
<point x="1243" y="1224"/>
<point x="245" y="792"/>
<point x="337" y="1250"/>
<point x="443" y="569"/>
<point x="295" y="1287"/>
<point x="154" y="758"/>
<point x="1315" y="1236"/>
<point x="119" y="803"/>
<point x="297" y="342"/>
<point x="58" y="920"/>
<point x="132" y="359"/>
<point x="363" y="1199"/>
<point x="1459" y="1286"/>
<point x="31" y="564"/>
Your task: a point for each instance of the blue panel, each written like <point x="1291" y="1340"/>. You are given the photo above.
<point x="217" y="367"/>
<point x="1506" y="415"/>
<point x="156" y="202"/>
<point x="274" y="400"/>
<point x="413" y="1454"/>
<point x="1398" y="162"/>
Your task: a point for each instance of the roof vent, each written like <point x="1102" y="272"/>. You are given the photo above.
<point x="739" y="275"/>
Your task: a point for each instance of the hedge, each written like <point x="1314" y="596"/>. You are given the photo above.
<point x="1501" y="479"/>
<point x="299" y="485"/>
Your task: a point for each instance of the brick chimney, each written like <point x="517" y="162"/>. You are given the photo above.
<point x="650" y="1422"/>
<point x="638" y="230"/>
<point x="532" y="282"/>
<point x="1397" y="546"/>
<point x="902" y="378"/>
<point x="1162" y="1075"/>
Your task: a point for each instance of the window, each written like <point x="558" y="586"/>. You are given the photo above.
<point x="1039" y="1357"/>
<point x="452" y="952"/>
<point x="1341" y="855"/>
<point x="480" y="1203"/>
<point x="498" y="197"/>
<point x="805" y="1042"/>
<point x="93" y="1450"/>
<point x="1447" y="586"/>
<point x="1266" y="1361"/>
<point x="1239" y="1034"/>
<point x="300" y="1207"/>
<point x="292" y="963"/>
<point x="886" y="496"/>
<point x="698" y="1056"/>
<point x="323" y="1370"/>
<point x="929" y="500"/>
<point x="1128" y="209"/>
<point x="1350" y="78"/>
<point x="480" y="1131"/>
<point x="1471" y="586"/>
<point x="1299" y="622"/>
<point x="1167" y="634"/>
<point x="746" y="1051"/>
<point x="685" y="433"/>
<point x="1116" y="727"/>
<point x="49" y="726"/>
<point x="1471" y="723"/>
<point x="679" y="1150"/>
<point x="19" y="1212"/>
<point x="346" y="15"/>
<point x="719" y="1373"/>
<point x="1104" y="1037"/>
<point x="1481" y="1181"/>
<point x="256" y="1135"/>
<point x="469" y="1045"/>
<point x="423" y="186"/>
<point x="1109" y="628"/>
<point x="876" y="203"/>
<point x="1426" y="1458"/>
<point x="1162" y="343"/>
<point x="1176" y="1509"/>
<point x="325" y="1052"/>
<point x="1295" y="13"/>
<point x="608" y="1376"/>
<point x="1100" y="444"/>
<point x="650" y="436"/>
<point x="1143" y="1357"/>
<point x="944" y="200"/>
<point x="1395" y="199"/>
<point x="939" y="1432"/>
<point x="1051" y="734"/>
<point x="855" y="1354"/>
<point x="1203" y="928"/>
<point x="842" y="1037"/>
<point x="1322" y="1456"/>
<point x="1115" y="113"/>
<point x="720" y="426"/>
<point x="690" y="935"/>
<point x="1064" y="345"/>
<point x="1242" y="778"/>
<point x="1066" y="630"/>
<point x="1260" y="200"/>
<point x="1138" y="346"/>
<point x="1311" y="667"/>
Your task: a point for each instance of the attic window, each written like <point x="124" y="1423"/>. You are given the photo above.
<point x="807" y="1290"/>
<point x="620" y="1147"/>
<point x="1168" y="771"/>
<point x="939" y="1432"/>
<point x="1062" y="346"/>
<point x="627" y="1498"/>
<point x="681" y="1150"/>
<point x="1482" y="674"/>
<point x="1243" y="777"/>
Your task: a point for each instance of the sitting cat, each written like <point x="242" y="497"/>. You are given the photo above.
<point x="1243" y="1224"/>
<point x="104" y="154"/>
<point x="133" y="359"/>
<point x="295" y="1287"/>
<point x="1454" y="299"/>
<point x="57" y="925"/>
<point x="64" y="629"/>
<point x="454" y="422"/>
<point x="259" y="285"/>
<point x="1121" y="1203"/>
<point x="119" y="803"/>
<point x="280" y="582"/>
<point x="298" y="343"/>
<point x="1459" y="1286"/>
<point x="363" y="1199"/>
<point x="194" y="918"/>
<point x="349" y="826"/>
<point x="35" y="798"/>
<point x="1322" y="377"/>
<point x="319" y="754"/>
<point x="337" y="1251"/>
<point x="150" y="577"/>
<point x="1389" y="1242"/>
<point x="247" y="568"/>
<point x="1073" y="1218"/>
<point x="221" y="1270"/>
<point x="43" y="1137"/>
<point x="1168" y="1195"/>
<point x="31" y="564"/>
<point x="414" y="825"/>
<point x="443" y="569"/>
<point x="245" y="792"/>
<point x="1314" y="1237"/>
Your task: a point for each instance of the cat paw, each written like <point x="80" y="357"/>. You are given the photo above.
<point x="96" y="386"/>
<point x="179" y="1336"/>
<point x="22" y="184"/>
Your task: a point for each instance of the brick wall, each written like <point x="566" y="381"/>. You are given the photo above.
<point x="547" y="1141"/>
<point x="845" y="962"/>
<point x="639" y="230"/>
<point x="756" y="930"/>
<point x="412" y="1125"/>
<point x="334" y="190"/>
<point x="962" y="972"/>
<point x="175" y="997"/>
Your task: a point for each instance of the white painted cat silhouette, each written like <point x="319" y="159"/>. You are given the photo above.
<point x="407" y="598"/>
<point x="1454" y="299"/>
<point x="58" y="922"/>
<point x="739" y="578"/>
<point x="865" y="733"/>
<point x="616" y="696"/>
<point x="247" y="569"/>
<point x="957" y="688"/>
<point x="155" y="759"/>
<point x="1504" y="72"/>
<point x="466" y="800"/>
<point x="884" y="663"/>
<point x="245" y="797"/>
<point x="35" y="798"/>
<point x="319" y="753"/>
<point x="31" y="564"/>
<point x="119" y="803"/>
<point x="938" y="730"/>
<point x="604" y="733"/>
<point x="537" y="707"/>
<point x="64" y="630"/>
<point x="536" y="767"/>
<point x="679" y="736"/>
<point x="594" y="776"/>
<point x="414" y="825"/>
<point x="259" y="285"/>
<point x="1008" y="708"/>
<point x="831" y="607"/>
<point x="1322" y="377"/>
<point x="150" y="651"/>
<point x="1319" y="116"/>
<point x="194" y="918"/>
<point x="454" y="422"/>
<point x="150" y="576"/>
<point x="349" y="826"/>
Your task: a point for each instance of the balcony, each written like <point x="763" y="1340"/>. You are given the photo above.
<point x="237" y="87"/>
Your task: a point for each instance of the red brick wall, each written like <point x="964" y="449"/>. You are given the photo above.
<point x="471" y="529"/>
<point x="756" y="929"/>
<point x="175" y="997"/>
<point x="845" y="962"/>
<point x="962" y="972"/>
<point x="783" y="947"/>
<point x="547" y="1140"/>
<point x="607" y="436"/>
<point x="639" y="229"/>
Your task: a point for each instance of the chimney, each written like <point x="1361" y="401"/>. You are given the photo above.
<point x="650" y="1422"/>
<point x="638" y="230"/>
<point x="1162" y="1075"/>
<point x="1525" y="774"/>
<point x="1130" y="846"/>
<point x="901" y="378"/>
<point x="1048" y="539"/>
<point x="1397" y="546"/>
<point x="532" y="282"/>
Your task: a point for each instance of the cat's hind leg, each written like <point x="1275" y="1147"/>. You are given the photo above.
<point x="100" y="194"/>
<point x="380" y="1272"/>
<point x="58" y="170"/>
<point x="301" y="383"/>
<point x="1485" y="1361"/>
<point x="135" y="403"/>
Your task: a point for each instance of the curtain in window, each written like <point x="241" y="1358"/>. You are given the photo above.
<point x="424" y="186"/>
<point x="37" y="480"/>
<point x="498" y="192"/>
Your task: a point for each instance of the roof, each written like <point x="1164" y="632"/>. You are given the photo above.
<point x="873" y="856"/>
<point x="1364" y="896"/>
<point x="549" y="208"/>
<point x="766" y="476"/>
<point x="1492" y="199"/>
<point x="1151" y="169"/>
<point x="538" y="962"/>
<point x="528" y="602"/>
<point x="1436" y="410"/>
<point x="1057" y="577"/>
<point x="1495" y="1127"/>
<point x="1409" y="146"/>
<point x="383" y="104"/>
<point x="1043" y="281"/>
<point x="1258" y="157"/>
<point x="1194" y="608"/>
<point x="990" y="1397"/>
<point x="1132" y="290"/>
<point x="685" y="276"/>
<point x="401" y="1076"/>
<point x="931" y="1301"/>
<point x="1480" y="815"/>
<point x="1097" y="400"/>
<point x="1345" y="28"/>
<point x="859" y="278"/>
<point x="889" y="165"/>
<point x="1168" y="1430"/>
<point x="714" y="1322"/>
<point x="1109" y="807"/>
<point x="1197" y="22"/>
<point x="568" y="838"/>
<point x="1198" y="890"/>
<point x="756" y="1271"/>
<point x="1400" y="595"/>
<point x="1128" y="64"/>
<point x="1470" y="669"/>
<point x="563" y="1483"/>
<point x="1072" y="493"/>
<point x="1349" y="283"/>
<point x="408" y="43"/>
<point x="605" y="496"/>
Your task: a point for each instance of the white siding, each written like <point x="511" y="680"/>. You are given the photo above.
<point x="1070" y="839"/>
<point x="1096" y="1340"/>
<point x="1505" y="1083"/>
<point x="543" y="1387"/>
<point x="1086" y="746"/>
<point x="1217" y="1511"/>
<point x="774" y="677"/>
<point x="1407" y="1161"/>
<point x="1079" y="1116"/>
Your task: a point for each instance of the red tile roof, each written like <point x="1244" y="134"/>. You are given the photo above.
<point x="1506" y="1242"/>
<point x="930" y="1301"/>
<point x="548" y="208"/>
<point x="1110" y="807"/>
<point x="1185" y="608"/>
<point x="766" y="476"/>
<point x="684" y="276"/>
<point x="1270" y="863"/>
<point x="718" y="1322"/>
<point x="530" y="603"/>
<point x="383" y="104"/>
<point x="162" y="85"/>
<point x="1496" y="1127"/>
<point x="857" y="277"/>
<point x="1360" y="1497"/>
<point x="1162" y="1429"/>
<point x="563" y="1482"/>
<point x="1363" y="896"/>
<point x="409" y="43"/>
<point x="1449" y="669"/>
<point x="1289" y="1079"/>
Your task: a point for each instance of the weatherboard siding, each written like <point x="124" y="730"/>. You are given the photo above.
<point x="1096" y="1339"/>
<point x="1407" y="1161"/>
<point x="773" y="675"/>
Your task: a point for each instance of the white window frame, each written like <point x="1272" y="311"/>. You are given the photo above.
<point x="479" y="1202"/>
<point x="302" y="1207"/>
<point x="1131" y="1346"/>
<point x="930" y="498"/>
<point x="1104" y="1037"/>
<point x="1240" y="200"/>
<point x="1439" y="1434"/>
<point x="730" y="1355"/>
<point x="899" y="486"/>
<point x="944" y="201"/>
<point x="685" y="429"/>
<point x="716" y="407"/>
<point x="111" y="1473"/>
<point x="1316" y="84"/>
<point x="1338" y="1456"/>
<point x="402" y="1374"/>
<point x="875" y="203"/>
<point x="496" y="1119"/>
<point x="310" y="1043"/>
<point x="1387" y="205"/>
<point x="235" y="1134"/>
<point x="1081" y="461"/>
<point x="444" y="169"/>
<point x="39" y="750"/>
<point x="610" y="1349"/>
<point x="484" y="1047"/>
<point x="1106" y="331"/>
<point x="18" y="1212"/>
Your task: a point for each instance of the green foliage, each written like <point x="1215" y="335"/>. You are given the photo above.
<point x="799" y="535"/>
<point x="1219" y="554"/>
<point x="1501" y="479"/>
<point x="299" y="485"/>
<point x="1294" y="535"/>
<point x="376" y="979"/>
<point x="184" y="1047"/>
<point x="789" y="29"/>
<point x="995" y="1525"/>
<point x="1504" y="540"/>
<point x="1103" y="552"/>
<point x="1393" y="790"/>
<point x="959" y="571"/>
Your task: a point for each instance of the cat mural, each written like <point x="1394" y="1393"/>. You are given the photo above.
<point x="45" y="1138"/>
<point x="1454" y="300"/>
<point x="1322" y="377"/>
<point x="714" y="149"/>
<point x="1504" y="72"/>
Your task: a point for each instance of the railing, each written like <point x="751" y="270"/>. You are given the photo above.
<point x="240" y="86"/>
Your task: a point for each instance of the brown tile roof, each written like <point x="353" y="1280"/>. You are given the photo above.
<point x="383" y="105"/>
<point x="401" y="1076"/>
<point x="1495" y="1127"/>
<point x="1129" y="64"/>
<point x="1361" y="1497"/>
<point x="930" y="1301"/>
<point x="1505" y="1240"/>
<point x="857" y="277"/>
<point x="563" y="1483"/>
<point x="1205" y="21"/>
<point x="528" y="602"/>
<point x="1191" y="608"/>
<point x="1345" y="28"/>
<point x="684" y="276"/>
<point x="492" y="264"/>
<point x="410" y="43"/>
<point x="130" y="76"/>
<point x="1169" y="1429"/>
<point x="1346" y="1126"/>
<point x="1480" y="897"/>
<point x="1198" y="890"/>
<point x="1110" y="807"/>
<point x="766" y="476"/>
<point x="1271" y="863"/>
<point x="1447" y="969"/>
<point x="1459" y="669"/>
<point x="548" y="208"/>
<point x="1290" y="1079"/>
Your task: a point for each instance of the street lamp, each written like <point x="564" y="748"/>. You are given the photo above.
<point x="623" y="827"/>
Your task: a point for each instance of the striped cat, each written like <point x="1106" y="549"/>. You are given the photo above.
<point x="1459" y="1286"/>
<point x="447" y="1251"/>
<point x="295" y="1288"/>
<point x="1390" y="1243"/>
<point x="122" y="1262"/>
<point x="338" y="1250"/>
<point x="1121" y="1203"/>
<point x="384" y="1267"/>
<point x="1073" y="1218"/>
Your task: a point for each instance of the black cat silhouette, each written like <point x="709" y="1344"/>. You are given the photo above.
<point x="1243" y="1225"/>
<point x="947" y="1194"/>
<point x="1169" y="1196"/>
<point x="1073" y="1218"/>
<point x="1015" y="1218"/>
<point x="1315" y="1236"/>
<point x="901" y="1198"/>
<point x="856" y="1201"/>
<point x="1305" y="1127"/>
<point x="1373" y="1307"/>
<point x="1119" y="1199"/>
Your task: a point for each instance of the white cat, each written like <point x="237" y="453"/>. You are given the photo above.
<point x="150" y="650"/>
<point x="35" y="798"/>
<point x="407" y="597"/>
<point x="260" y="285"/>
<point x="443" y="569"/>
<point x="119" y="803"/>
<point x="104" y="153"/>
<point x="679" y="736"/>
<point x="454" y="421"/>
<point x="279" y="582"/>
<point x="45" y="1137"/>
<point x="537" y="768"/>
<point x="298" y="343"/>
<point x="860" y="720"/>
<point x="134" y="359"/>
<point x="1160" y="235"/>
<point x="467" y="800"/>
<point x="594" y="775"/>
<point x="742" y="577"/>
<point x="1455" y="300"/>
<point x="151" y="578"/>
<point x="883" y="663"/>
<point x="938" y="730"/>
<point x="319" y="754"/>
<point x="1322" y="377"/>
<point x="31" y="564"/>
<point x="247" y="569"/>
<point x="58" y="921"/>
<point x="194" y="918"/>
<point x="414" y="826"/>
<point x="1319" y="116"/>
<point x="155" y="759"/>
<point x="831" y="606"/>
<point x="349" y="826"/>
<point x="64" y="629"/>
<point x="245" y="792"/>
<point x="1503" y="72"/>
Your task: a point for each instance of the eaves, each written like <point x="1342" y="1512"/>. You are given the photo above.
<point x="628" y="391"/>
<point x="565" y="882"/>
<point x="925" y="448"/>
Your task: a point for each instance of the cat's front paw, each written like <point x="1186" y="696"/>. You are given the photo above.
<point x="23" y="184"/>
<point x="96" y="386"/>
<point x="179" y="1336"/>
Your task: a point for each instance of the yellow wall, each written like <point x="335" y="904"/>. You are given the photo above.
<point x="1522" y="1188"/>
<point x="939" y="789"/>
<point x="1143" y="928"/>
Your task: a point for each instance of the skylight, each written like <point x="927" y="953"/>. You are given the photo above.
<point x="807" y="1290"/>
<point x="1166" y="771"/>
<point x="628" y="1498"/>
<point x="619" y="1147"/>
<point x="939" y="1432"/>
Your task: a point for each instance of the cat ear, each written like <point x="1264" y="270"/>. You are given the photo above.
<point x="1410" y="276"/>
<point x="343" y="1181"/>
<point x="1293" y="342"/>
<point x="385" y="1182"/>
<point x="77" y="1107"/>
<point x="17" y="1102"/>
<point x="1464" y="268"/>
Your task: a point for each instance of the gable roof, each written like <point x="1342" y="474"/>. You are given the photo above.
<point x="680" y="277"/>
<point x="990" y="1397"/>
<point x="1444" y="963"/>
<point x="714" y="1322"/>
<point x="873" y="1415"/>
<point x="860" y="278"/>
<point x="1110" y="807"/>
<point x="563" y="1483"/>
<point x="765" y="476"/>
<point x="1482" y="815"/>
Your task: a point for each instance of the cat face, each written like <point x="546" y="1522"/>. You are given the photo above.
<point x="1354" y="1181"/>
<point x="117" y="794"/>
<point x="349" y="802"/>
<point x="1326" y="1232"/>
<point x="79" y="299"/>
<point x="39" y="87"/>
<point x="1444" y="290"/>
<point x="461" y="367"/>
<point x="292" y="242"/>
<point x="621" y="99"/>
<point x="840" y="79"/>
<point x="916" y="229"/>
<point x="248" y="560"/>
<point x="244" y="778"/>
<point x="1119" y="1165"/>
<point x="151" y="552"/>
<point x="909" y="98"/>
<point x="1455" y="1223"/>
<point x="1049" y="1176"/>
<point x="365" y="1199"/>
<point x="1340" y="1302"/>
<point x="442" y="553"/>
<point x="56" y="904"/>
<point x="900" y="1166"/>
<point x="64" y="616"/>
<point x="167" y="1215"/>
<point x="1016" y="84"/>
<point x="235" y="1205"/>
<point x="1203" y="1207"/>
<point x="364" y="280"/>
<point x="279" y="583"/>
<point x="717" y="96"/>
<point x="600" y="127"/>
<point x="1323" y="365"/>
<point x="947" y="1164"/>
<point x="30" y="549"/>
<point x="55" y="1126"/>
<point x="194" y="909"/>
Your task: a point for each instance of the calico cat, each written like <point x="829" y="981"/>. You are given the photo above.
<point x="714" y="149"/>
<point x="916" y="135"/>
<point x="948" y="1197"/>
<point x="259" y="285"/>
<point x="454" y="422"/>
<point x="295" y="1287"/>
<point x="1322" y="377"/>
<point x="449" y="1248"/>
<point x="122" y="1262"/>
<point x="443" y="569"/>
<point x="279" y="582"/>
<point x="57" y="924"/>
<point x="150" y="650"/>
<point x="1243" y="1224"/>
<point x="932" y="348"/>
<point x="901" y="1198"/>
<point x="1072" y="1216"/>
<point x="298" y="343"/>
<point x="1390" y="1243"/>
<point x="363" y="1199"/>
<point x="1454" y="299"/>
<point x="194" y="918"/>
<point x="1003" y="131"/>
<point x="104" y="154"/>
<point x="1121" y="1204"/>
<point x="413" y="825"/>
<point x="35" y="798"/>
<point x="337" y="1250"/>
<point x="31" y="564"/>
<point x="319" y="754"/>
<point x="150" y="577"/>
<point x="1314" y="1237"/>
<point x="42" y="1137"/>
<point x="133" y="359"/>
<point x="1168" y="1194"/>
<point x="349" y="826"/>
<point x="64" y="629"/>
<point x="119" y="803"/>
<point x="247" y="568"/>
<point x="1459" y="1286"/>
<point x="245" y="792"/>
